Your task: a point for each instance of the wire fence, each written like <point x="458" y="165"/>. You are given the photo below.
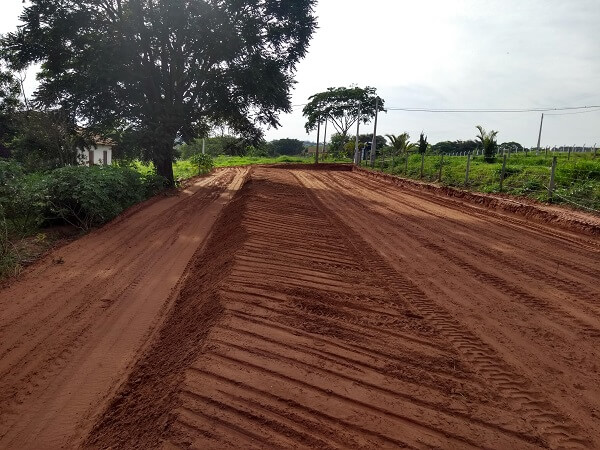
<point x="549" y="176"/>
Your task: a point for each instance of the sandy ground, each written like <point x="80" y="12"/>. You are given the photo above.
<point x="320" y="309"/>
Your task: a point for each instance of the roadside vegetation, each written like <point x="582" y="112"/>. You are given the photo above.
<point x="576" y="182"/>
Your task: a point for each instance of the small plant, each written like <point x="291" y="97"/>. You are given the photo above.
<point x="423" y="144"/>
<point x="488" y="143"/>
<point x="203" y="162"/>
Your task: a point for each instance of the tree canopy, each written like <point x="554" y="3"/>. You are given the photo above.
<point x="163" y="70"/>
<point x="341" y="106"/>
<point x="448" y="147"/>
<point x="286" y="147"/>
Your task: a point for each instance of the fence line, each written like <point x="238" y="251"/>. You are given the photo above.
<point x="560" y="179"/>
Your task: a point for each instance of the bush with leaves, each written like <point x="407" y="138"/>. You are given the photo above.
<point x="90" y="196"/>
<point x="487" y="141"/>
<point x="22" y="197"/>
<point x="203" y="162"/>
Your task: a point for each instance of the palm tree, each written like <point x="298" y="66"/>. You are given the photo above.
<point x="488" y="142"/>
<point x="401" y="143"/>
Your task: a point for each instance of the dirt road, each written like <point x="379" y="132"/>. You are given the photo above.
<point x="73" y="326"/>
<point x="326" y="310"/>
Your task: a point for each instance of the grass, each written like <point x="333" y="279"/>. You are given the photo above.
<point x="577" y="179"/>
<point x="184" y="169"/>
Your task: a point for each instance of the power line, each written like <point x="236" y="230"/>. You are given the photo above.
<point x="573" y="109"/>
<point x="575" y="112"/>
<point x="498" y="110"/>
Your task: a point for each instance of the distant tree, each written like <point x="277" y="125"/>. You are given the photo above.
<point x="48" y="139"/>
<point x="423" y="145"/>
<point x="368" y="138"/>
<point x="512" y="146"/>
<point x="487" y="140"/>
<point x="338" y="145"/>
<point x="165" y="70"/>
<point x="286" y="146"/>
<point x="214" y="146"/>
<point x="401" y="143"/>
<point x="341" y="106"/>
<point x="449" y="147"/>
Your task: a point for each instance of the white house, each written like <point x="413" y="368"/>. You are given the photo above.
<point x="98" y="154"/>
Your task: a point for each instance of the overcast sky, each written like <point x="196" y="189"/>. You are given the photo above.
<point x="453" y="54"/>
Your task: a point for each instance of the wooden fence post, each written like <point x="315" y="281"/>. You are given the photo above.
<point x="551" y="185"/>
<point x="503" y="172"/>
<point x="468" y="167"/>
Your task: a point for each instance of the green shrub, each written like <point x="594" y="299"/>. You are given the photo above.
<point x="22" y="198"/>
<point x="203" y="162"/>
<point x="89" y="196"/>
<point x="153" y="184"/>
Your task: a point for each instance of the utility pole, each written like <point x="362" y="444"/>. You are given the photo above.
<point x="325" y="138"/>
<point x="318" y="139"/>
<point x="356" y="150"/>
<point x="374" y="143"/>
<point x="540" y="135"/>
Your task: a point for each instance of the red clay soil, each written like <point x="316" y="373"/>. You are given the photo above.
<point x="326" y="309"/>
<point x="74" y="324"/>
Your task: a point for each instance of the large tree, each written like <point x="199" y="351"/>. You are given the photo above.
<point x="342" y="106"/>
<point x="286" y="146"/>
<point x="165" y="69"/>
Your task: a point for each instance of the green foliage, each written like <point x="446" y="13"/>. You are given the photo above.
<point x="47" y="140"/>
<point x="488" y="142"/>
<point x="204" y="163"/>
<point x="91" y="196"/>
<point x="577" y="180"/>
<point x="510" y="146"/>
<point x="162" y="70"/>
<point x="422" y="144"/>
<point x="22" y="197"/>
<point x="341" y="106"/>
<point x="257" y="151"/>
<point x="401" y="143"/>
<point x="81" y="196"/>
<point x="218" y="145"/>
<point x="341" y="145"/>
<point x="286" y="147"/>
<point x="451" y="147"/>
<point x="380" y="142"/>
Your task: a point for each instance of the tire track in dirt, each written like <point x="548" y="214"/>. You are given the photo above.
<point x="584" y="251"/>
<point x="579" y="290"/>
<point x="587" y="323"/>
<point x="305" y="350"/>
<point x="554" y="427"/>
<point x="545" y="232"/>
<point x="64" y="323"/>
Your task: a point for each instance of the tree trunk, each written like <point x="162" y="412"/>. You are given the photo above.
<point x="164" y="168"/>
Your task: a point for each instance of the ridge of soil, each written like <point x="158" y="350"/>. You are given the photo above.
<point x="560" y="216"/>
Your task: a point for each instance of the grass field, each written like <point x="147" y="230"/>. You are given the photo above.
<point x="577" y="179"/>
